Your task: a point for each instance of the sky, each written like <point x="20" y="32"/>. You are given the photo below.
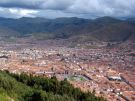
<point x="67" y="8"/>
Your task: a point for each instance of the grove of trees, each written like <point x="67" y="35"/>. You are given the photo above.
<point x="25" y="87"/>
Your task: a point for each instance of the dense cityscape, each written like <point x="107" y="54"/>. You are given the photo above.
<point x="104" y="69"/>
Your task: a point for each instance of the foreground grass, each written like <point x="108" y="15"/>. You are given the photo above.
<point x="4" y="97"/>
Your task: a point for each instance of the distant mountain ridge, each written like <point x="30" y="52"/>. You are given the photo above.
<point x="103" y="29"/>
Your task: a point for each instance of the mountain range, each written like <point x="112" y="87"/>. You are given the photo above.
<point x="103" y="28"/>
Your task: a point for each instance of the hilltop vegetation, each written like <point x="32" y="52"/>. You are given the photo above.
<point x="28" y="88"/>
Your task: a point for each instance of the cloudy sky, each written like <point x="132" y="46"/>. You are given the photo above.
<point x="67" y="8"/>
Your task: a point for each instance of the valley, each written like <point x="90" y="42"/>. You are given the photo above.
<point x="105" y="67"/>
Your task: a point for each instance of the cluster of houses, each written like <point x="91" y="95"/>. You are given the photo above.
<point x="100" y="67"/>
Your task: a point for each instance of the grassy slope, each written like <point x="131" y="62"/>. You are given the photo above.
<point x="4" y="97"/>
<point x="26" y="88"/>
<point x="12" y="88"/>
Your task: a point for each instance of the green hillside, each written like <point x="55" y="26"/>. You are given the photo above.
<point x="28" y="88"/>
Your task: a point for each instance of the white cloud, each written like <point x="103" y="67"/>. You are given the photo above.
<point x="79" y="8"/>
<point x="28" y="13"/>
<point x="17" y="13"/>
<point x="104" y="7"/>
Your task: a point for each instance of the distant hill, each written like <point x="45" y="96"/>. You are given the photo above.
<point x="121" y="31"/>
<point x="130" y="19"/>
<point x="8" y="34"/>
<point x="103" y="29"/>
